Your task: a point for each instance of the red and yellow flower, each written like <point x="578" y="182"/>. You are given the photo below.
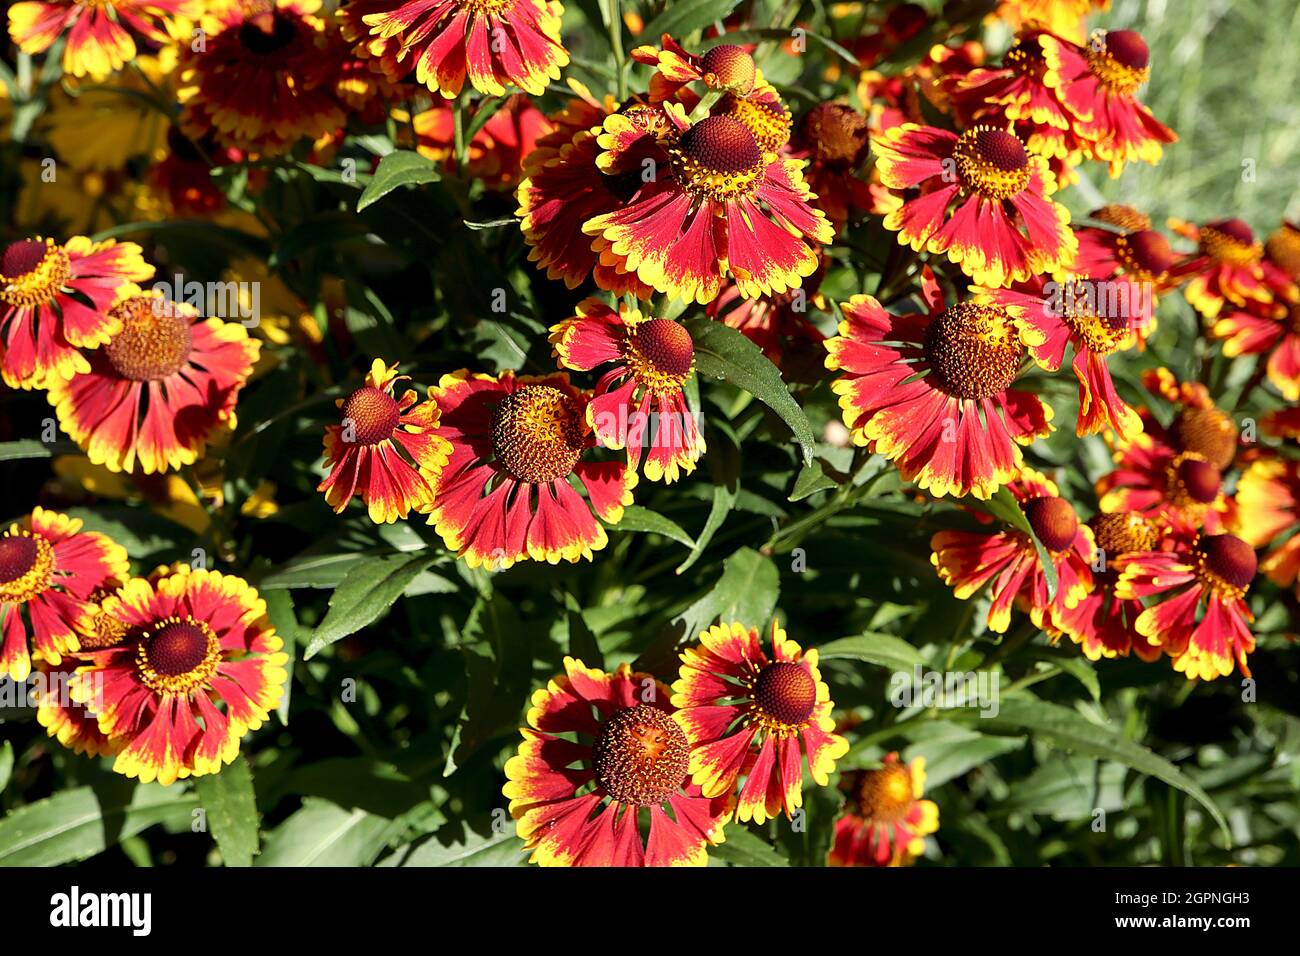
<point x="1102" y="623"/>
<point x="386" y="449"/>
<point x="1132" y="253"/>
<point x="980" y="198"/>
<point x="724" y="68"/>
<point x="638" y="404"/>
<point x="1175" y="471"/>
<point x="832" y="138"/>
<point x="496" y="152"/>
<point x="1268" y="502"/>
<point x="1008" y="560"/>
<point x="56" y="299"/>
<point x="884" y="821"/>
<point x="1226" y="269"/>
<point x="719" y="206"/>
<point x="1065" y="18"/>
<point x="496" y="43"/>
<point x="507" y="493"/>
<point x="200" y="666"/>
<point x="101" y="33"/>
<point x="260" y="82"/>
<point x="1269" y="330"/>
<point x="1200" y="616"/>
<point x="1097" y="84"/>
<point x="757" y="717"/>
<point x="49" y="569"/>
<point x="601" y="753"/>
<point x="932" y="392"/>
<point x="160" y="388"/>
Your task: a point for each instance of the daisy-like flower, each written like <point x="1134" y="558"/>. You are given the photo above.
<point x="601" y="754"/>
<point x="1094" y="319"/>
<point x="564" y="187"/>
<point x="1271" y="330"/>
<point x="833" y="139"/>
<point x="1103" y="624"/>
<point x="1008" y="560"/>
<point x="49" y="568"/>
<point x="719" y="206"/>
<point x="101" y="33"/>
<point x="756" y="716"/>
<point x="638" y="404"/>
<point x="1175" y="470"/>
<point x="983" y="200"/>
<point x="1097" y="84"/>
<point x="1128" y="257"/>
<point x="1199" y="615"/>
<point x="932" y="392"/>
<point x="507" y="492"/>
<point x="386" y="449"/>
<point x="496" y="43"/>
<point x="884" y="821"/>
<point x="56" y="299"/>
<point x="1227" y="268"/>
<point x="1268" y="502"/>
<point x="199" y="667"/>
<point x="156" y="393"/>
<point x="258" y="85"/>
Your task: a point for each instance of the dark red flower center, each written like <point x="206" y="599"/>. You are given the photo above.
<point x="973" y="351"/>
<point x="1200" y="480"/>
<point x="664" y="345"/>
<point x="1234" y="229"/>
<point x="21" y="257"/>
<point x="1128" y="49"/>
<point x="262" y="38"/>
<point x="372" y="415"/>
<point x="731" y="66"/>
<point x="1207" y="432"/>
<point x="1053" y="521"/>
<point x="992" y="162"/>
<point x="837" y="134"/>
<point x="721" y="144"/>
<point x="177" y="648"/>
<point x="1123" y="532"/>
<point x="1228" y="558"/>
<point x="155" y="340"/>
<point x="885" y="794"/>
<point x="1147" y="252"/>
<point x="641" y="755"/>
<point x="786" y="692"/>
<point x="537" y="433"/>
<point x="18" y="555"/>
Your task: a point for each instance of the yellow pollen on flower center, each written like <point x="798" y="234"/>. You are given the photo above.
<point x="660" y="353"/>
<point x="785" y="696"/>
<point x="1101" y="333"/>
<point x="1284" y="249"/>
<point x="1120" y="59"/>
<point x="1145" y="255"/>
<point x="1026" y="58"/>
<point x="641" y="755"/>
<point x="177" y="655"/>
<point x="769" y="122"/>
<point x="1225" y="563"/>
<point x="992" y="162"/>
<point x="885" y="794"/>
<point x="372" y="414"/>
<point x="1207" y="432"/>
<point x="1125" y="217"/>
<point x="1123" y="533"/>
<point x="1230" y="241"/>
<point x="1192" y="482"/>
<point x="973" y="351"/>
<point x="26" y="565"/>
<point x="154" y="342"/>
<point x="718" y="159"/>
<point x="537" y="433"/>
<point x="32" y="271"/>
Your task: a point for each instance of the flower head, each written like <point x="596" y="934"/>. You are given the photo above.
<point x="508" y="492"/>
<point x="756" y="716"/>
<point x="200" y="666"/>
<point x="833" y="139"/>
<point x="933" y="392"/>
<point x="638" y="404"/>
<point x="56" y="299"/>
<point x="983" y="200"/>
<point x="601" y="753"/>
<point x="1268" y="502"/>
<point x="49" y="570"/>
<point x="386" y="448"/>
<point x="101" y="33"/>
<point x="1227" y="269"/>
<point x="884" y="821"/>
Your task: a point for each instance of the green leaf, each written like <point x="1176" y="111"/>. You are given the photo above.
<point x="1072" y="733"/>
<point x="322" y="834"/>
<point x="78" y="823"/>
<point x="746" y="592"/>
<point x="683" y="18"/>
<point x="723" y="353"/>
<point x="486" y="224"/>
<point x="636" y="518"/>
<point x="402" y="167"/>
<point x="951" y="750"/>
<point x="231" y="807"/>
<point x="448" y="847"/>
<point x="365" y="594"/>
<point x="724" y="497"/>
<point x="811" y="479"/>
<point x="6" y="764"/>
<point x="743" y="847"/>
<point x="31" y="448"/>
<point x="883" y="650"/>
